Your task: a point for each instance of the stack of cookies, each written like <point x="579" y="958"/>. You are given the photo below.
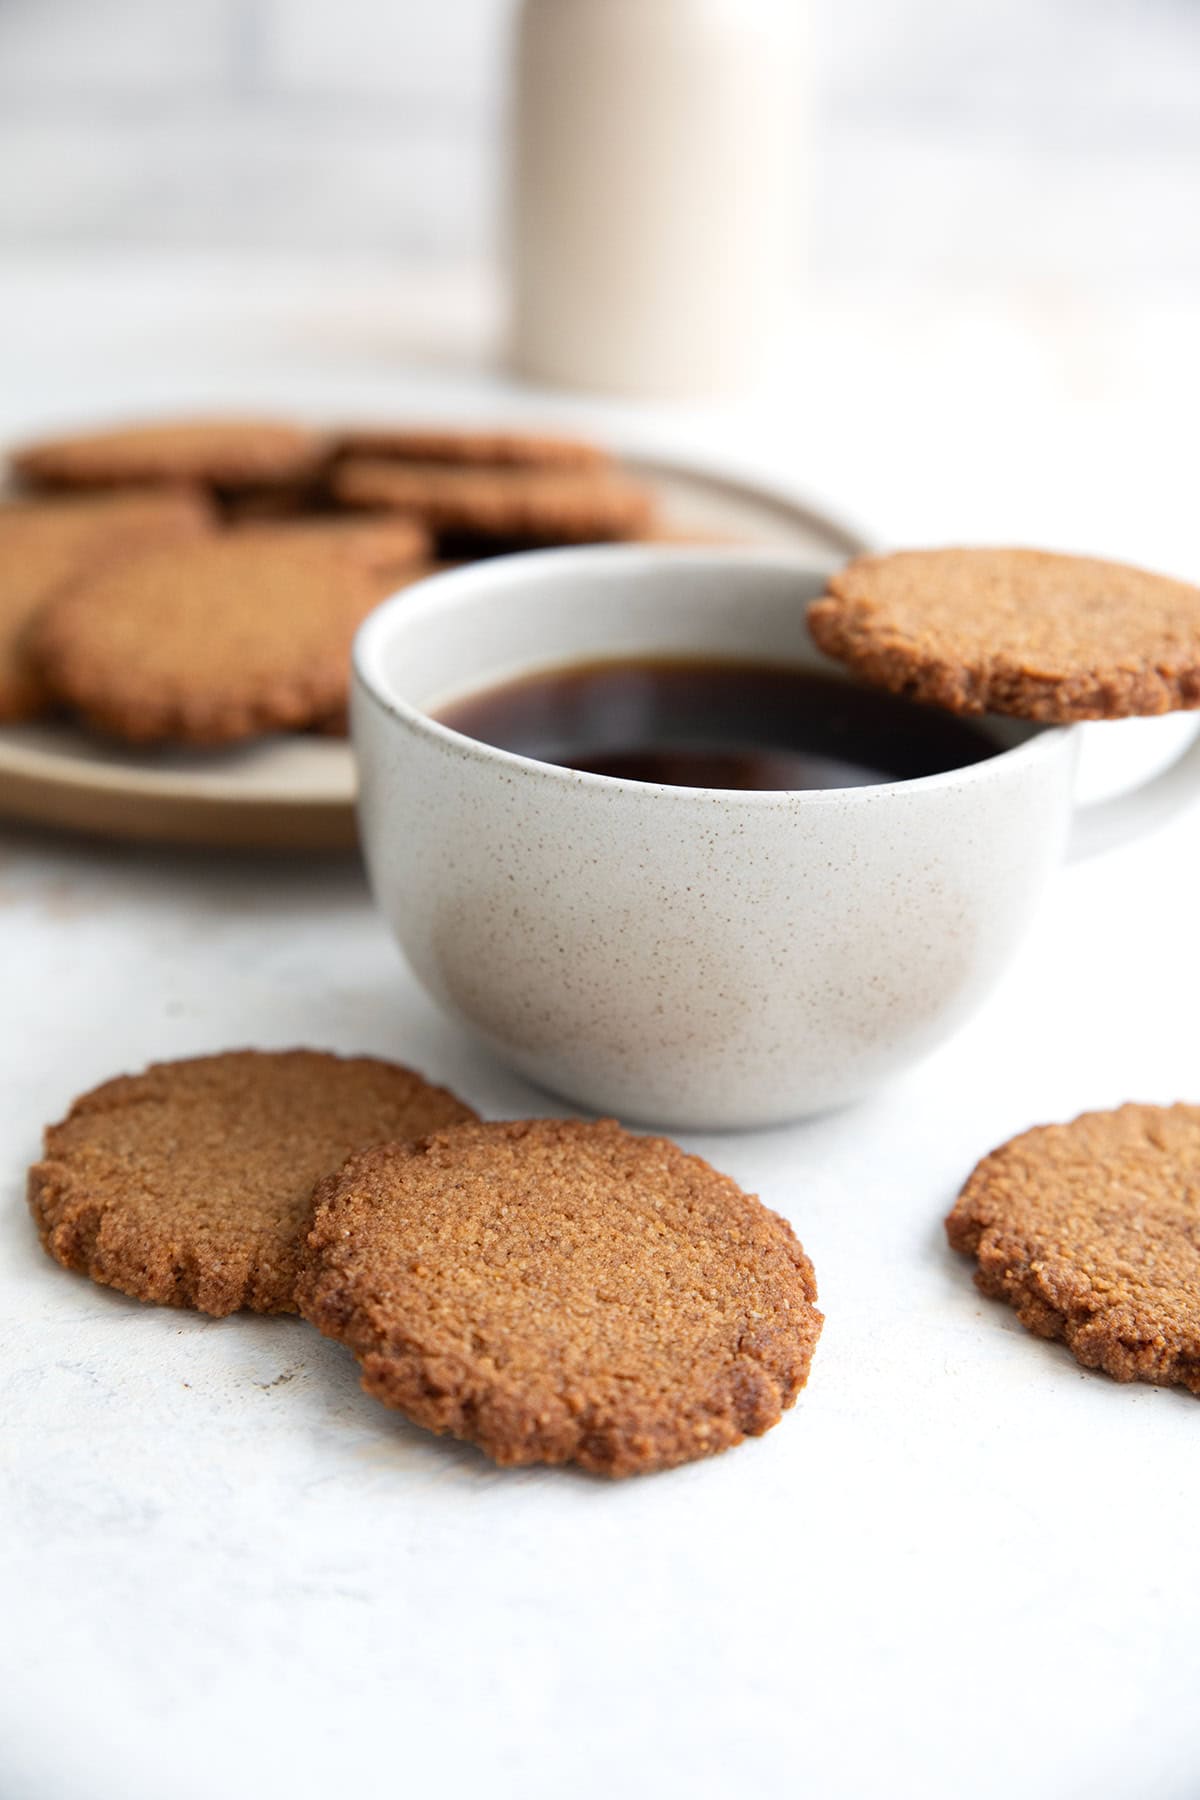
<point x="200" y="582"/>
<point x="551" y="1290"/>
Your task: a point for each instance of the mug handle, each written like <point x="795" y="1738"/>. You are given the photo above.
<point x="1103" y="824"/>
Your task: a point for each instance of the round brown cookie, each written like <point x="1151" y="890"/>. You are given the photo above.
<point x="190" y="1184"/>
<point x="494" y="448"/>
<point x="220" y="453"/>
<point x="1092" y="1232"/>
<point x="46" y="542"/>
<point x="209" y="642"/>
<point x="557" y="1291"/>
<point x="390" y="545"/>
<point x="537" y="506"/>
<point x="1024" y="632"/>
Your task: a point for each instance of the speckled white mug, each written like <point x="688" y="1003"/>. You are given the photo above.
<point x="690" y="957"/>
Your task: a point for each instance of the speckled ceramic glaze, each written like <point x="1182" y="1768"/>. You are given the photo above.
<point x="690" y="957"/>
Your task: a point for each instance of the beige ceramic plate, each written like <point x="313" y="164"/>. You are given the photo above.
<point x="297" y="793"/>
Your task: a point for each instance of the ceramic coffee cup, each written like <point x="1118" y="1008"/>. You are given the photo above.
<point x="690" y="957"/>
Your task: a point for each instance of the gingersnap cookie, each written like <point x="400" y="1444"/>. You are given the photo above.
<point x="219" y="453"/>
<point x="45" y="543"/>
<point x="474" y="446"/>
<point x="1092" y="1232"/>
<point x="388" y="545"/>
<point x="190" y="1184"/>
<point x="558" y="1291"/>
<point x="282" y="503"/>
<point x="535" y="506"/>
<point x="207" y="643"/>
<point x="1024" y="632"/>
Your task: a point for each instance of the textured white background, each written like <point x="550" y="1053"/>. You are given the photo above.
<point x="962" y="1569"/>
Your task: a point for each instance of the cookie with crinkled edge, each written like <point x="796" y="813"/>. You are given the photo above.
<point x="534" y="506"/>
<point x="1025" y="632"/>
<point x="208" y="643"/>
<point x="221" y="453"/>
<point x="44" y="543"/>
<point x="559" y="1291"/>
<point x="1091" y="1231"/>
<point x="482" y="445"/>
<point x="190" y="1184"/>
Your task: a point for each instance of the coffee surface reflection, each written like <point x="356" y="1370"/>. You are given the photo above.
<point x="716" y="724"/>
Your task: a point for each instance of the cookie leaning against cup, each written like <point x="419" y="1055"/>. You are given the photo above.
<point x="190" y="1184"/>
<point x="208" y="643"/>
<point x="558" y="1291"/>
<point x="1092" y="1232"/>
<point x="1024" y="632"/>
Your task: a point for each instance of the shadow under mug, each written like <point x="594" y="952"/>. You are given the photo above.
<point x="691" y="957"/>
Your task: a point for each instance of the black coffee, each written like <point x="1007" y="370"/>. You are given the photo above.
<point x="715" y="724"/>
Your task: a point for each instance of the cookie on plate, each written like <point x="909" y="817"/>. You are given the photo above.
<point x="45" y="543"/>
<point x="1092" y="1232"/>
<point x="208" y="643"/>
<point x="189" y="1185"/>
<point x="534" y="506"/>
<point x="283" y="503"/>
<point x="390" y="545"/>
<point x="485" y="446"/>
<point x="558" y="1291"/>
<point x="218" y="453"/>
<point x="1024" y="632"/>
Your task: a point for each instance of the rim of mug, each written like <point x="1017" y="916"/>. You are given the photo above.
<point x="435" y="592"/>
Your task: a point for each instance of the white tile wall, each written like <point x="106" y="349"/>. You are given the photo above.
<point x="1041" y="69"/>
<point x="109" y="50"/>
<point x="229" y="176"/>
<point x="1031" y="139"/>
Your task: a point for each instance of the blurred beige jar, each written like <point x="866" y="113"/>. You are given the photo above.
<point x="655" y="190"/>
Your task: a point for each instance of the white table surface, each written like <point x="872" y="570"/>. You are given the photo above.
<point x="962" y="1567"/>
